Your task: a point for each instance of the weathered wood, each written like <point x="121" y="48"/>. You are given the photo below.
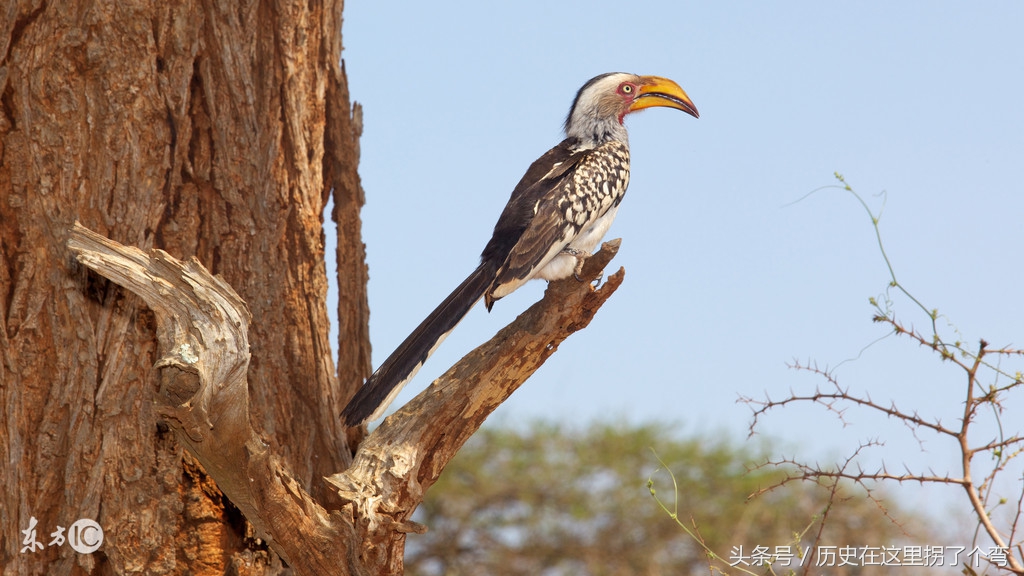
<point x="202" y="329"/>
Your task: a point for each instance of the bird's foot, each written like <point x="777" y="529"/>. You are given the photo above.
<point x="581" y="257"/>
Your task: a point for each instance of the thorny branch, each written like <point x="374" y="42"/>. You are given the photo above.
<point x="984" y="393"/>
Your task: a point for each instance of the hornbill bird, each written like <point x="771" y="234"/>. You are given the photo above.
<point x="557" y="214"/>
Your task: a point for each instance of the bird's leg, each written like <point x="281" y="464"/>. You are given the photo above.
<point x="580" y="256"/>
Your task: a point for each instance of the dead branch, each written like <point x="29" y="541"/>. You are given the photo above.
<point x="202" y="327"/>
<point x="402" y="458"/>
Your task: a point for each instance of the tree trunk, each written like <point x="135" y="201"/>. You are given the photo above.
<point x="214" y="130"/>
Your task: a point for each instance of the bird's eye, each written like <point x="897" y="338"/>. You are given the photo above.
<point x="626" y="88"/>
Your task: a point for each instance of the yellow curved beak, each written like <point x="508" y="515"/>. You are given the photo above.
<point x="658" y="91"/>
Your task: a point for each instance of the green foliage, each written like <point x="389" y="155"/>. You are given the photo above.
<point x="550" y="500"/>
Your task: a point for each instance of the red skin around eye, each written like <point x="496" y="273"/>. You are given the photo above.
<point x="627" y="98"/>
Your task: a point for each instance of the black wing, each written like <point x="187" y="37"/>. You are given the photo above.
<point x="531" y="225"/>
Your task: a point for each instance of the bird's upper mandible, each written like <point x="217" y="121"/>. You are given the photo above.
<point x="602" y="103"/>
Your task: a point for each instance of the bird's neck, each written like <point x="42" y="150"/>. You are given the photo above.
<point x="592" y="132"/>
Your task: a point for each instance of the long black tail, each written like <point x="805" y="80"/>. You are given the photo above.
<point x="384" y="384"/>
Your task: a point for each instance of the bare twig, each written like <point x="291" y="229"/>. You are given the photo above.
<point x="1006" y="447"/>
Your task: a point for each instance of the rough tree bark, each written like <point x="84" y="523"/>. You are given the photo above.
<point x="210" y="129"/>
<point x="216" y="132"/>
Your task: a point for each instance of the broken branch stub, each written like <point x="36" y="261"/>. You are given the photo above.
<point x="202" y="329"/>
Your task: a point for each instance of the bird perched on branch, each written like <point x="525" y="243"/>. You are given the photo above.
<point x="557" y="214"/>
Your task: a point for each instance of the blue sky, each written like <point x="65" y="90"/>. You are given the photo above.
<point x="727" y="279"/>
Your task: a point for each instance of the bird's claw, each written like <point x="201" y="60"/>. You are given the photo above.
<point x="581" y="257"/>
